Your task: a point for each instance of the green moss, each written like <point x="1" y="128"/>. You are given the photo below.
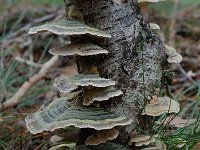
<point x="167" y="77"/>
<point x="157" y="84"/>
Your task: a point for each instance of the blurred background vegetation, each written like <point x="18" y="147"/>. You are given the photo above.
<point x="17" y="16"/>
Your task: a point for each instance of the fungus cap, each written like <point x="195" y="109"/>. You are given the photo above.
<point x="107" y="94"/>
<point x="102" y="136"/>
<point x="139" y="138"/>
<point x="96" y="82"/>
<point x="151" y="1"/>
<point x="58" y="147"/>
<point x="157" y="146"/>
<point x="100" y="94"/>
<point x="173" y="56"/>
<point x="61" y="114"/>
<point x="55" y="139"/>
<point x="69" y="26"/>
<point x="145" y="142"/>
<point x="68" y="83"/>
<point x="164" y="105"/>
<point x="154" y="26"/>
<point x="81" y="49"/>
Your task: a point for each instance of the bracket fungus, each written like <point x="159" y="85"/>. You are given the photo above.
<point x="154" y="26"/>
<point x="151" y="1"/>
<point x="162" y="105"/>
<point x="68" y="83"/>
<point x="56" y="139"/>
<point x="100" y="94"/>
<point x="69" y="111"/>
<point x="107" y="93"/>
<point x="145" y="142"/>
<point x="69" y="26"/>
<point x="173" y="56"/>
<point x="102" y="136"/>
<point x="157" y="145"/>
<point x="146" y="2"/>
<point x="68" y="134"/>
<point x="81" y="49"/>
<point x="61" y="113"/>
<point x="69" y="146"/>
<point x="140" y="139"/>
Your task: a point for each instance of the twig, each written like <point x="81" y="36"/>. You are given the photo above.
<point x="28" y="84"/>
<point x="30" y="63"/>
<point x="29" y="25"/>
<point x="184" y="72"/>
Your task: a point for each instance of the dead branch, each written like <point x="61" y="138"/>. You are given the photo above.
<point x="28" y="84"/>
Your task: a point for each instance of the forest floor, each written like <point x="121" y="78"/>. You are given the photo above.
<point x="22" y="56"/>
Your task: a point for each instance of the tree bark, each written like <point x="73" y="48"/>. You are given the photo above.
<point x="135" y="56"/>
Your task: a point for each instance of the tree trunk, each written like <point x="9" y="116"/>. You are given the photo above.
<point x="134" y="60"/>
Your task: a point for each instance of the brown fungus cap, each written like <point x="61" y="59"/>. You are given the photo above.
<point x="139" y="138"/>
<point x="145" y="142"/>
<point x="163" y="105"/>
<point x="100" y="94"/>
<point x="102" y="136"/>
<point x="158" y="145"/>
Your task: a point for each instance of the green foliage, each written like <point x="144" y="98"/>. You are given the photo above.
<point x="167" y="77"/>
<point x="49" y="2"/>
<point x="189" y="135"/>
<point x="166" y="7"/>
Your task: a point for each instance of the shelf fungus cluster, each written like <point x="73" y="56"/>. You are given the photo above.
<point x="146" y="141"/>
<point x="87" y="91"/>
<point x="173" y="56"/>
<point x="80" y="108"/>
<point x="155" y="107"/>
